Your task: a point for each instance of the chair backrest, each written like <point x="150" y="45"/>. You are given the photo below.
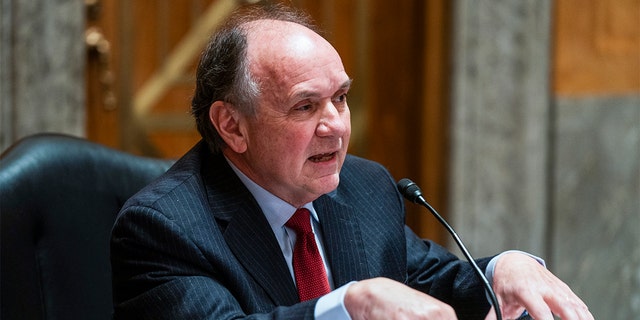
<point x="59" y="196"/>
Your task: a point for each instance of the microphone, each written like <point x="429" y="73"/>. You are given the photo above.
<point x="412" y="192"/>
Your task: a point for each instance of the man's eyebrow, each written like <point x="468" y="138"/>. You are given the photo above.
<point x="311" y="94"/>
<point x="346" y="84"/>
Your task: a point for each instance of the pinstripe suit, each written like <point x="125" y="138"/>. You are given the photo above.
<point x="195" y="244"/>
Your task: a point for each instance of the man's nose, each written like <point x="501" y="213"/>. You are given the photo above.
<point x="332" y="120"/>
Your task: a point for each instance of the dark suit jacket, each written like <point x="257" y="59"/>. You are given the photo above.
<point x="195" y="244"/>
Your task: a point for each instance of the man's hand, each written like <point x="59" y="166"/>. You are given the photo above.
<point x="522" y="283"/>
<point x="383" y="298"/>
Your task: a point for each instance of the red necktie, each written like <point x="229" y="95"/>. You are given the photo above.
<point x="308" y="268"/>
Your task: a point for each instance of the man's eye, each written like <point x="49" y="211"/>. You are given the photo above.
<point x="342" y="98"/>
<point x="305" y="107"/>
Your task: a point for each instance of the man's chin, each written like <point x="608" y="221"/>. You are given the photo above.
<point x="328" y="183"/>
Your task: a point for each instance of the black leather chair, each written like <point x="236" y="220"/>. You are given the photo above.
<point x="59" y="196"/>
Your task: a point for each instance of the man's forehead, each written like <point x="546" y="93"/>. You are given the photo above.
<point x="274" y="43"/>
<point x="282" y="54"/>
<point x="264" y="27"/>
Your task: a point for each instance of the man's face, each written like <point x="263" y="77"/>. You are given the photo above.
<point x="298" y="139"/>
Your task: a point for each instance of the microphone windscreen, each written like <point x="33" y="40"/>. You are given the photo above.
<point x="409" y="190"/>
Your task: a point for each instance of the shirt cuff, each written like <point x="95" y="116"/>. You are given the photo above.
<point x="491" y="267"/>
<point x="331" y="305"/>
<point x="492" y="264"/>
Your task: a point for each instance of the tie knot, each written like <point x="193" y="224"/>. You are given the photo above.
<point x="300" y="221"/>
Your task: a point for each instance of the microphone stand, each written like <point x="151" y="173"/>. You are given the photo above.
<point x="412" y="192"/>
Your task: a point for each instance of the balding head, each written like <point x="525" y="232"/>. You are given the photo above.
<point x="223" y="71"/>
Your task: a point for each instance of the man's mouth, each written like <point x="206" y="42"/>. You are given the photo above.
<point x="322" y="157"/>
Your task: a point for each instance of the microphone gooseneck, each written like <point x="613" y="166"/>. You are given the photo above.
<point x="412" y="192"/>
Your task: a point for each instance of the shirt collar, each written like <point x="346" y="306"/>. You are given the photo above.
<point x="276" y="210"/>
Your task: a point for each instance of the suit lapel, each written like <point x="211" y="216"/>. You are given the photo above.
<point x="253" y="243"/>
<point x="343" y="242"/>
<point x="248" y="233"/>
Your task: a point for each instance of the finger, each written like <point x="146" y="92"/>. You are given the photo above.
<point x="511" y="308"/>
<point x="569" y="307"/>
<point x="538" y="308"/>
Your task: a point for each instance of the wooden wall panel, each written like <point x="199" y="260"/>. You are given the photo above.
<point x="597" y="47"/>
<point x="435" y="128"/>
<point x="103" y="110"/>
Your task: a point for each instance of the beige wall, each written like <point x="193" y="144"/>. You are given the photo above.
<point x="41" y="68"/>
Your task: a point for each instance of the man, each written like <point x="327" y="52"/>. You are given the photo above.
<point x="214" y="238"/>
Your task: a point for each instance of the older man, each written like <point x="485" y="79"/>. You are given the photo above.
<point x="269" y="218"/>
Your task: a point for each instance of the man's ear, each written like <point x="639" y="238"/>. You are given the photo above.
<point x="227" y="120"/>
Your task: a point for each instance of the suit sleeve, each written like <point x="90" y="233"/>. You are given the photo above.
<point x="430" y="268"/>
<point x="159" y="273"/>
<point x="421" y="264"/>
